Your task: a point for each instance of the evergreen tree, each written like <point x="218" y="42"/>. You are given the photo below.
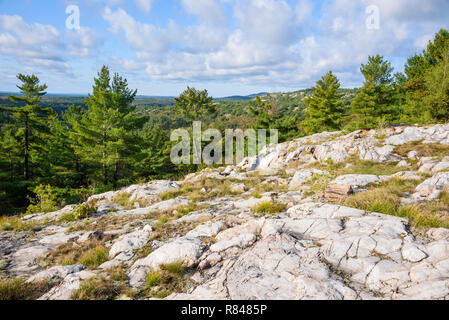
<point x="267" y="116"/>
<point x="437" y="85"/>
<point x="30" y="118"/>
<point x="373" y="103"/>
<point x="419" y="84"/>
<point x="105" y="136"/>
<point x="325" y="108"/>
<point x="193" y="104"/>
<point x="156" y="154"/>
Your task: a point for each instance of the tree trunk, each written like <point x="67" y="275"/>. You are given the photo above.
<point x="105" y="170"/>
<point x="25" y="165"/>
<point x="115" y="174"/>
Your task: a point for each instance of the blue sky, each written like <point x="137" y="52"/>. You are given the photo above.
<point x="229" y="47"/>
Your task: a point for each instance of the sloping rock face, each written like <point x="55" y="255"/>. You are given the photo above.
<point x="234" y="247"/>
<point x="321" y="251"/>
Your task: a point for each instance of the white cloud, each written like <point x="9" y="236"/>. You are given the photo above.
<point x="43" y="47"/>
<point x="144" y="5"/>
<point x="273" y="42"/>
<point x="83" y="42"/>
<point x="208" y="11"/>
<point x="32" y="44"/>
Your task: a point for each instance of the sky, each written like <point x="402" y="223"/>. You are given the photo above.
<point x="229" y="47"/>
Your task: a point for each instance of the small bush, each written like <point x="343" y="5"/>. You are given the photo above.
<point x="45" y="200"/>
<point x="90" y="253"/>
<point x="387" y="201"/>
<point x="82" y="211"/>
<point x="444" y="197"/>
<point x="270" y="207"/>
<point x="381" y="200"/>
<point x="184" y="210"/>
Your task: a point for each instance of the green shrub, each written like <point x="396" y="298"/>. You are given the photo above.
<point x="44" y="201"/>
<point x="82" y="211"/>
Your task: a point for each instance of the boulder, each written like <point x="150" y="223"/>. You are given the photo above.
<point x="431" y="188"/>
<point x="303" y="176"/>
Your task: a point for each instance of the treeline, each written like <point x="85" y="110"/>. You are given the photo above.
<point x="420" y="96"/>
<point x="81" y="151"/>
<point x="50" y="158"/>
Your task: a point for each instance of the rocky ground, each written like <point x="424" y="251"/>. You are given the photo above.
<point x="331" y="216"/>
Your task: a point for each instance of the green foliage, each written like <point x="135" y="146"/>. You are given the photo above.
<point x="193" y="104"/>
<point x="375" y="98"/>
<point x="325" y="108"/>
<point x="170" y="278"/>
<point x="386" y="199"/>
<point x="95" y="257"/>
<point x="45" y="200"/>
<point x="105" y="136"/>
<point x="82" y="211"/>
<point x="18" y="289"/>
<point x="427" y="83"/>
<point x="98" y="289"/>
<point x="268" y="116"/>
<point x="16" y="224"/>
<point x="175" y="267"/>
<point x="270" y="207"/>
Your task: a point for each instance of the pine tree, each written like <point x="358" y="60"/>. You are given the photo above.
<point x="193" y="104"/>
<point x="373" y="103"/>
<point x="419" y="83"/>
<point x="30" y="119"/>
<point x="267" y="116"/>
<point x="156" y="153"/>
<point x="325" y="108"/>
<point x="437" y="84"/>
<point x="106" y="136"/>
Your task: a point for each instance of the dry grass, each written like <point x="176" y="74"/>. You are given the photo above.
<point x="98" y="289"/>
<point x="270" y="207"/>
<point x="358" y="167"/>
<point x="386" y="199"/>
<point x="16" y="224"/>
<point x="18" y="289"/>
<point x="170" y="278"/>
<point x="424" y="149"/>
<point x="90" y="253"/>
<point x="94" y="257"/>
<point x="122" y="199"/>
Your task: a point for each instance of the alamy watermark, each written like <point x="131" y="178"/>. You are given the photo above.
<point x="73" y="20"/>
<point x="190" y="151"/>
<point x="373" y="17"/>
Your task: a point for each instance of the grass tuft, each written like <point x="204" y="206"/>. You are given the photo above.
<point x="270" y="207"/>
<point x="18" y="289"/>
